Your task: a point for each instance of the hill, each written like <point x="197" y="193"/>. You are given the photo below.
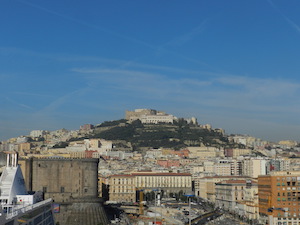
<point x="137" y="136"/>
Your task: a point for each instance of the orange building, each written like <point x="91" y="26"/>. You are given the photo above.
<point x="279" y="197"/>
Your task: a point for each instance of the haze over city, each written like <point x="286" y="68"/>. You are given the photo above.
<point x="232" y="64"/>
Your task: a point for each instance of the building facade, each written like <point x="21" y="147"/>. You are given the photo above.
<point x="238" y="196"/>
<point x="279" y="197"/>
<point x="123" y="188"/>
<point x="205" y="187"/>
<point x="254" y="167"/>
<point x="71" y="183"/>
<point x="149" y="116"/>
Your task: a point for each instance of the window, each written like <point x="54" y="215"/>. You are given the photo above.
<point x="44" y="189"/>
<point x="62" y="189"/>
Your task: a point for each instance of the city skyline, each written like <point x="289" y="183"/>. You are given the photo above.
<point x="230" y="64"/>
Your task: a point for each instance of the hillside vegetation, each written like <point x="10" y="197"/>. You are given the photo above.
<point x="177" y="135"/>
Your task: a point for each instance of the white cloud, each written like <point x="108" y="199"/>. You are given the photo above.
<point x="265" y="87"/>
<point x="238" y="92"/>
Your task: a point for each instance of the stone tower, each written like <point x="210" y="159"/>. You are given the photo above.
<point x="71" y="183"/>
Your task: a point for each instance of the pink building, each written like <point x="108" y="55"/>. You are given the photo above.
<point x="168" y="163"/>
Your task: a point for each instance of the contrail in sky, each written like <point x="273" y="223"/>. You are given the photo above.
<point x="181" y="39"/>
<point x="292" y="23"/>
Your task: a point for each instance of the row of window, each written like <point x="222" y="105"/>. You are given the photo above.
<point x="289" y="194"/>
<point x="289" y="178"/>
<point x="288" y="199"/>
<point x="288" y="184"/>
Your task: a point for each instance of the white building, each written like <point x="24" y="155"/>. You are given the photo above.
<point x="253" y="167"/>
<point x="17" y="206"/>
<point x="149" y="116"/>
<point x="37" y="133"/>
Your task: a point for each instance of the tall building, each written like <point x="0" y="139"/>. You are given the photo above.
<point x="279" y="197"/>
<point x="254" y="167"/>
<point x="278" y="165"/>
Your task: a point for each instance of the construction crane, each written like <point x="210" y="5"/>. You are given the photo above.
<point x="141" y="204"/>
<point x="141" y="199"/>
<point x="272" y="208"/>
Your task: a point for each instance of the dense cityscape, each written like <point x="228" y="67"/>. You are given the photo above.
<point x="149" y="112"/>
<point x="198" y="174"/>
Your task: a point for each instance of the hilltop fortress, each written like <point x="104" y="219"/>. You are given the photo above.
<point x="153" y="116"/>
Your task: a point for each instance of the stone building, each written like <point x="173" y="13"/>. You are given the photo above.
<point x="149" y="116"/>
<point x="71" y="183"/>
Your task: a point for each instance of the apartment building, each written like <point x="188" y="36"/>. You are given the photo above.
<point x="205" y="186"/>
<point x="122" y="188"/>
<point x="238" y="196"/>
<point x="279" y="197"/>
<point x="223" y="167"/>
<point x="281" y="164"/>
<point x="254" y="167"/>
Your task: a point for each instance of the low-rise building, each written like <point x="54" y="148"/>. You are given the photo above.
<point x="123" y="187"/>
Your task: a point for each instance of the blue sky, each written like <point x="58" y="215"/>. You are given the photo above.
<point x="233" y="64"/>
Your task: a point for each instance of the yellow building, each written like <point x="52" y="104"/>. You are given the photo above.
<point x="122" y="188"/>
<point x="288" y="143"/>
<point x="206" y="185"/>
<point x="203" y="152"/>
